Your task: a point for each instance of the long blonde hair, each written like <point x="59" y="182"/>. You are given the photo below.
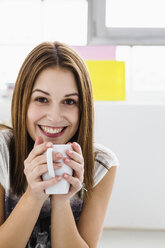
<point x="45" y="55"/>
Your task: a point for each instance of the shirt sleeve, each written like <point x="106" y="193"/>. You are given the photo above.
<point x="4" y="159"/>
<point x="104" y="160"/>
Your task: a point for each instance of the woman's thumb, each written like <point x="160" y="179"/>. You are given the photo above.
<point x="38" y="141"/>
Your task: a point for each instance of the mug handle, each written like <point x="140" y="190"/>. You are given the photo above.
<point x="50" y="162"/>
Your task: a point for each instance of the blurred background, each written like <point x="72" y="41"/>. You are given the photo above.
<point x="123" y="44"/>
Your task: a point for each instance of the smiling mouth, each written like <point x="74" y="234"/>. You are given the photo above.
<point x="51" y="130"/>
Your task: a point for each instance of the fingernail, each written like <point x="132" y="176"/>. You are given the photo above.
<point x="70" y="152"/>
<point x="58" y="164"/>
<point x="66" y="176"/>
<point x="49" y="144"/>
<point x="67" y="160"/>
<point x="58" y="155"/>
<point x="59" y="178"/>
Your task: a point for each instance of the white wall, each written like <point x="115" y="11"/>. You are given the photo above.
<point x="136" y="133"/>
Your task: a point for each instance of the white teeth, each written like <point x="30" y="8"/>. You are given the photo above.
<point x="51" y="130"/>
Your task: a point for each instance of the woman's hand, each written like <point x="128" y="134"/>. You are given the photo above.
<point x="76" y="162"/>
<point x="35" y="166"/>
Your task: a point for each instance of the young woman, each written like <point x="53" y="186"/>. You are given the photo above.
<point x="52" y="104"/>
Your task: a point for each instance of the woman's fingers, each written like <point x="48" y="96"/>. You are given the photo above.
<point x="39" y="170"/>
<point x="38" y="156"/>
<point x="75" y="182"/>
<point x="48" y="183"/>
<point x="38" y="187"/>
<point x="77" y="168"/>
<point x="76" y="161"/>
<point x="36" y="151"/>
<point x="76" y="154"/>
<point x="76" y="147"/>
<point x="42" y="169"/>
<point x="43" y="160"/>
<point x="36" y="165"/>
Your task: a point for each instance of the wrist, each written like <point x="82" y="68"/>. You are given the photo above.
<point x="32" y="200"/>
<point x="59" y="202"/>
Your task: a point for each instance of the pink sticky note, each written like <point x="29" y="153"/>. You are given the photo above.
<point x="96" y="52"/>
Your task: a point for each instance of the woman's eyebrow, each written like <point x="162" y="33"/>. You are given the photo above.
<point x="42" y="91"/>
<point x="46" y="93"/>
<point x="72" y="94"/>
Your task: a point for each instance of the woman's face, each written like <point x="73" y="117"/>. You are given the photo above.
<point x="53" y="111"/>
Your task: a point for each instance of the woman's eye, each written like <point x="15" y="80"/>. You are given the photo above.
<point x="70" y="101"/>
<point x="41" y="99"/>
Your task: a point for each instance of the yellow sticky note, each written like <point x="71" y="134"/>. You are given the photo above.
<point x="108" y="79"/>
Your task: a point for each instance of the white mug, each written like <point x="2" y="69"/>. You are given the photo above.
<point x="62" y="187"/>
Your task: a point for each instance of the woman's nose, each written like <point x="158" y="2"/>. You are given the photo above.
<point x="55" y="113"/>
